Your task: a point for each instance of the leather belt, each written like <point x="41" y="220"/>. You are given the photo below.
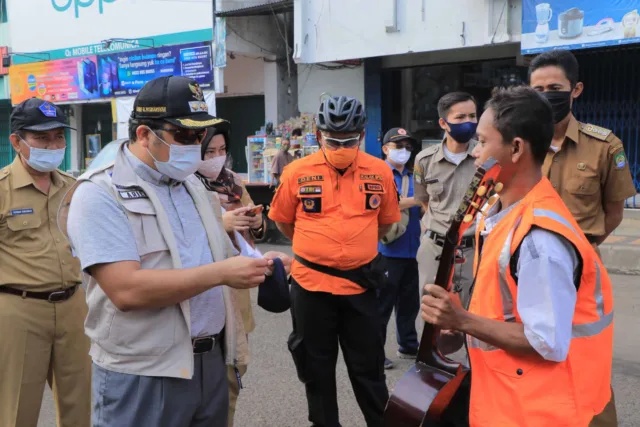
<point x="52" y="297"/>
<point x="204" y="344"/>
<point x="438" y="239"/>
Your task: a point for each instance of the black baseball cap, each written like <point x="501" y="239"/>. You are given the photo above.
<point x="174" y="99"/>
<point x="37" y="115"/>
<point x="397" y="134"/>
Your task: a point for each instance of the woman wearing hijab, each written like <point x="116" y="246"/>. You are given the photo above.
<point x="237" y="207"/>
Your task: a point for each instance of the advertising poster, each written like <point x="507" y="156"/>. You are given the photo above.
<point x="63" y="80"/>
<point x="573" y="24"/>
<point x="124" y="74"/>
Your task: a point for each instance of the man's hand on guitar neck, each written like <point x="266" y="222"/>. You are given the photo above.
<point x="443" y="309"/>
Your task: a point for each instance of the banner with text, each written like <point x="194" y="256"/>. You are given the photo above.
<point x="561" y="24"/>
<point x="107" y="76"/>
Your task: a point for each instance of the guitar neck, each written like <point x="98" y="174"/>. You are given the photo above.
<point x="428" y="342"/>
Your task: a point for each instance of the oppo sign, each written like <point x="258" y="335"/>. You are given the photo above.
<point x="77" y="4"/>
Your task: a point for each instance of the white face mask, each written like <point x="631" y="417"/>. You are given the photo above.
<point x="44" y="160"/>
<point x="184" y="160"/>
<point x="212" y="167"/>
<point x="399" y="156"/>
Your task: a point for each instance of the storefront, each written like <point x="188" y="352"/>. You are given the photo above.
<point x="96" y="83"/>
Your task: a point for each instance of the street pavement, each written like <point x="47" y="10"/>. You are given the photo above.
<point x="273" y="396"/>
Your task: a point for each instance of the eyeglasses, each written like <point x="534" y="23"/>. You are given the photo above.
<point x="185" y="136"/>
<point x="342" y="143"/>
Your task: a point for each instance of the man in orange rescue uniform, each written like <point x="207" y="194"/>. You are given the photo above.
<point x="540" y="321"/>
<point x="335" y="205"/>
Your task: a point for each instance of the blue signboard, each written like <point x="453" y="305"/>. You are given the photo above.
<point x="124" y="74"/>
<point x="578" y="24"/>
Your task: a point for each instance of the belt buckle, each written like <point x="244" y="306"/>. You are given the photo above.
<point x="57" y="296"/>
<point x="196" y="341"/>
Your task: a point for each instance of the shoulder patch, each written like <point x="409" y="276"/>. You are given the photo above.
<point x="620" y="160"/>
<point x="595" y="131"/>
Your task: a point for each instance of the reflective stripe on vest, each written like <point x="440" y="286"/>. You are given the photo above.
<point x="578" y="330"/>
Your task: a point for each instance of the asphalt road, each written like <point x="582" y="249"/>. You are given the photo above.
<point x="273" y="397"/>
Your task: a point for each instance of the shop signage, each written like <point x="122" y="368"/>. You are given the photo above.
<point x="107" y="76"/>
<point x="65" y="28"/>
<point x="567" y="24"/>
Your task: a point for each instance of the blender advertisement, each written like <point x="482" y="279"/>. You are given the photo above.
<point x="573" y="24"/>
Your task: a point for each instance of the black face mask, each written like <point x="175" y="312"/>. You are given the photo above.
<point x="560" y="104"/>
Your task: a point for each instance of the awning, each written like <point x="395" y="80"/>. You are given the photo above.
<point x="267" y="8"/>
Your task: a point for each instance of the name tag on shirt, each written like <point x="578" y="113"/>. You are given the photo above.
<point x="131" y="193"/>
<point x="17" y="212"/>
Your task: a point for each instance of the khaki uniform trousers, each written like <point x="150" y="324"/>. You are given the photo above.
<point x="609" y="416"/>
<point x="428" y="267"/>
<point x="44" y="342"/>
<point x="234" y="390"/>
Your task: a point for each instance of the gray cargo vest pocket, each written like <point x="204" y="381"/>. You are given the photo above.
<point x="143" y="332"/>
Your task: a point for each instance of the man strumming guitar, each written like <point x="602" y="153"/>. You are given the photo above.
<point x="539" y="326"/>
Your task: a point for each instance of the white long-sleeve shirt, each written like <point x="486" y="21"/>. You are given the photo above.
<point x="546" y="290"/>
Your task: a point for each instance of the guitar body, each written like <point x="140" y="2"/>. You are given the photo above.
<point x="423" y="394"/>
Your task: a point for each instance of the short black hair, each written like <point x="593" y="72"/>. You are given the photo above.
<point x="521" y="112"/>
<point x="562" y="59"/>
<point x="296" y="132"/>
<point x="135" y="123"/>
<point x="449" y="100"/>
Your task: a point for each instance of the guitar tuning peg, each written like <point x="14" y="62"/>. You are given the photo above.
<point x="498" y="187"/>
<point x="482" y="190"/>
<point x="467" y="218"/>
<point x="492" y="200"/>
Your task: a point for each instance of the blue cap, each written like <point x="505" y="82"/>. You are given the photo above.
<point x="273" y="294"/>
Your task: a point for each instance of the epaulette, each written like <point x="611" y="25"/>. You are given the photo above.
<point x="595" y="131"/>
<point x="429" y="151"/>
<point x="5" y="172"/>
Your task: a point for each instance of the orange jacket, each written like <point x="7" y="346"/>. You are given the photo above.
<point x="511" y="390"/>
<point x="336" y="216"/>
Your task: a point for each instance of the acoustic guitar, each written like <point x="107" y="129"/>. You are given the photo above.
<point x="425" y="391"/>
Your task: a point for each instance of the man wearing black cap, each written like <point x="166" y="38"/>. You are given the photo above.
<point x="42" y="308"/>
<point x="161" y="322"/>
<point x="400" y="247"/>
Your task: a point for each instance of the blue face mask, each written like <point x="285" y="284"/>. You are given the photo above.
<point x="462" y="132"/>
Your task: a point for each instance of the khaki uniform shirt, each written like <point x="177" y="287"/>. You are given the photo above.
<point x="34" y="255"/>
<point x="589" y="171"/>
<point x="443" y="198"/>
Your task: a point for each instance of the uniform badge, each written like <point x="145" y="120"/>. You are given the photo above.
<point x="311" y="189"/>
<point x="312" y="204"/>
<point x="25" y="211"/>
<point x="582" y="166"/>
<point x="376" y="188"/>
<point x="310" y="179"/>
<point x="48" y="110"/>
<point x="131" y="193"/>
<point x="402" y="131"/>
<point x="197" y="91"/>
<point x="620" y="160"/>
<point x="373" y="201"/>
<point x="198" y="106"/>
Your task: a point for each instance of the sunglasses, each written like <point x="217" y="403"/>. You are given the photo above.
<point x="185" y="136"/>
<point x="342" y="143"/>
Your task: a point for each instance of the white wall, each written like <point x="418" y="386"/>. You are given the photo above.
<point x="330" y="30"/>
<point x="313" y="81"/>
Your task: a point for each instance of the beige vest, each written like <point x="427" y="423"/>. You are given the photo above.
<point x="154" y="342"/>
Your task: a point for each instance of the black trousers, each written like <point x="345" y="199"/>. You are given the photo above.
<point x="402" y="293"/>
<point x="321" y="321"/>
